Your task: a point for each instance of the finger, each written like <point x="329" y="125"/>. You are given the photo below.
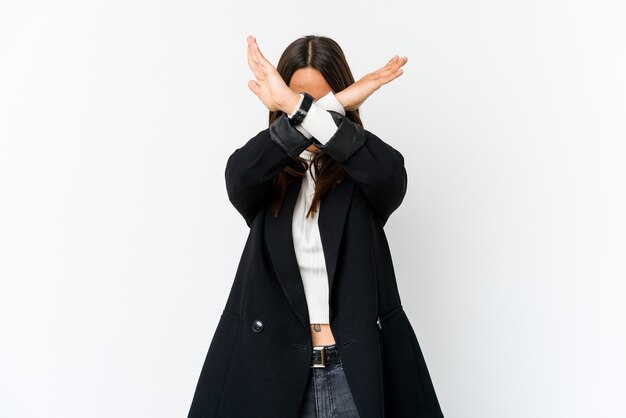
<point x="258" y="52"/>
<point x="254" y="49"/>
<point x="251" y="55"/>
<point x="252" y="63"/>
<point x="393" y="72"/>
<point x="399" y="63"/>
<point x="391" y="61"/>
<point x="254" y="87"/>
<point x="262" y="62"/>
<point x="391" y="66"/>
<point x="396" y="74"/>
<point x="392" y="75"/>
<point x="259" y="72"/>
<point x="389" y="73"/>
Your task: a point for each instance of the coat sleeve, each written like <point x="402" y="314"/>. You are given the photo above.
<point x="251" y="168"/>
<point x="374" y="165"/>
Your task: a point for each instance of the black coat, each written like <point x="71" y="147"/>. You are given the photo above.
<point x="258" y="362"/>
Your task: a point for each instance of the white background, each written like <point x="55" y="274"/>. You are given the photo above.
<point x="118" y="244"/>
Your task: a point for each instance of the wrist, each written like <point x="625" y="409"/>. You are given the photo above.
<point x="343" y="97"/>
<point x="291" y="103"/>
<point x="302" y="108"/>
<point x="340" y="96"/>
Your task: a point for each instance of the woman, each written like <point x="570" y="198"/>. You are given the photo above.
<point x="313" y="325"/>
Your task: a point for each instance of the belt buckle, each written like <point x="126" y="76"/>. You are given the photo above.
<point x="322" y="349"/>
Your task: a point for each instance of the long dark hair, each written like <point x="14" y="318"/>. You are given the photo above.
<point x="326" y="56"/>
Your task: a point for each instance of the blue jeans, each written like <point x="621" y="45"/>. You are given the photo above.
<point x="328" y="394"/>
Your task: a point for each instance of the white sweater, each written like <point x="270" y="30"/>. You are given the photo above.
<point x="318" y="123"/>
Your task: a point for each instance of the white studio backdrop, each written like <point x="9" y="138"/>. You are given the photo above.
<point x="118" y="244"/>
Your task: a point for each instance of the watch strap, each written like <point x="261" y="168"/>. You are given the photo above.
<point x="305" y="105"/>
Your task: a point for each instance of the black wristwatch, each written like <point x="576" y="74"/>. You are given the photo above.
<point x="298" y="117"/>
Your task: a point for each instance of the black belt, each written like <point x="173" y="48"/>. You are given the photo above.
<point x="323" y="355"/>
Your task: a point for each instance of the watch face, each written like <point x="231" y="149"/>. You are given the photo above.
<point x="296" y="119"/>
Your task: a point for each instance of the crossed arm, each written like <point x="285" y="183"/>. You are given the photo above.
<point x="251" y="168"/>
<point x="376" y="167"/>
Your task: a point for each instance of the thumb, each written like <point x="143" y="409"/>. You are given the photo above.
<point x="254" y="86"/>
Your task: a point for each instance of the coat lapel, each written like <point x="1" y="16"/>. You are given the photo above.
<point x="332" y="217"/>
<point x="279" y="240"/>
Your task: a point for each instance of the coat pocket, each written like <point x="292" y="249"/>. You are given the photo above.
<point x="389" y="314"/>
<point x="402" y="377"/>
<point x="232" y="315"/>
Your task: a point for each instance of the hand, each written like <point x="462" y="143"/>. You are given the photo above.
<point x="269" y="85"/>
<point x="354" y="95"/>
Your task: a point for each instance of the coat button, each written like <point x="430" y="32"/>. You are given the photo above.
<point x="257" y="326"/>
